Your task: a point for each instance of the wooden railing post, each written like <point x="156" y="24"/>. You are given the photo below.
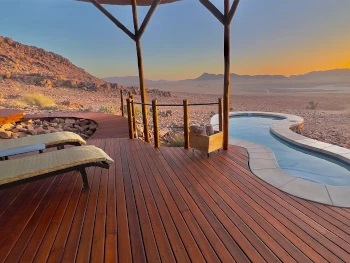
<point x="133" y="111"/>
<point x="122" y="102"/>
<point x="131" y="128"/>
<point x="220" y="114"/>
<point x="155" y="123"/>
<point x="186" y="128"/>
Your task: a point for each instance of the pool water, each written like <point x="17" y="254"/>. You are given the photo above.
<point x="294" y="160"/>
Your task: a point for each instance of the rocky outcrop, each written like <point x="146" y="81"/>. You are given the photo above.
<point x="35" y="66"/>
<point x="85" y="128"/>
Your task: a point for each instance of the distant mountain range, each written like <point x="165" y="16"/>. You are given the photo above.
<point x="212" y="83"/>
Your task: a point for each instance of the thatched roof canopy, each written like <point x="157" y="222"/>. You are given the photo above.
<point x="129" y="2"/>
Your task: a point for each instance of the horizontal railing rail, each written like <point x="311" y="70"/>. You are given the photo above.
<point x="177" y="105"/>
<point x="130" y="107"/>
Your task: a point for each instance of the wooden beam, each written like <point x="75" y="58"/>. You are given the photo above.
<point x="220" y="113"/>
<point x="148" y="16"/>
<point x="140" y="67"/>
<point x="232" y="11"/>
<point x="226" y="75"/>
<point x="186" y="124"/>
<point x="155" y="123"/>
<point x="131" y="127"/>
<point x="212" y="8"/>
<point x="122" y="102"/>
<point x="113" y="19"/>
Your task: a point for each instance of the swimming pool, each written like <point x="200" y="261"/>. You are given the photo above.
<point x="295" y="161"/>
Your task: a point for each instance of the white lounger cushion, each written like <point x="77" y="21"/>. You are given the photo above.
<point x="49" y="139"/>
<point x="30" y="166"/>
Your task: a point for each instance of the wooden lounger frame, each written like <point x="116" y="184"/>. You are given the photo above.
<point x="80" y="168"/>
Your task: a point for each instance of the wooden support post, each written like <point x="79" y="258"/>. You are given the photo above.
<point x="155" y="123"/>
<point x="133" y="112"/>
<point x="220" y="114"/>
<point x="186" y="126"/>
<point x="122" y="102"/>
<point x="131" y="128"/>
<point x="140" y="67"/>
<point x="226" y="73"/>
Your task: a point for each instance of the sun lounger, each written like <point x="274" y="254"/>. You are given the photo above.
<point x="30" y="168"/>
<point x="5" y="153"/>
<point x="56" y="139"/>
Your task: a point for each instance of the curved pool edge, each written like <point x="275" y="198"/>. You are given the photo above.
<point x="263" y="163"/>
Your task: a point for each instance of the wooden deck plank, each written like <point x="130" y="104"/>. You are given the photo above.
<point x="84" y="249"/>
<point x="187" y="186"/>
<point x="70" y="248"/>
<point x="307" y="219"/>
<point x="20" y="203"/>
<point x="248" y="203"/>
<point x="203" y="244"/>
<point x="208" y="254"/>
<point x="59" y="244"/>
<point x="164" y="247"/>
<point x="168" y="239"/>
<point x="138" y="250"/>
<point x="33" y="244"/>
<point x="177" y="210"/>
<point x="8" y="196"/>
<point x="218" y="191"/>
<point x="167" y="205"/>
<point x="323" y="246"/>
<point x="151" y="249"/>
<point x="111" y="246"/>
<point x="50" y="235"/>
<point x="98" y="241"/>
<point x="20" y="219"/>
<point x="124" y="244"/>
<point x="22" y="241"/>
<point x="232" y="224"/>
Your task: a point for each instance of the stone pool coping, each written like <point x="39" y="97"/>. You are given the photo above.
<point x="263" y="163"/>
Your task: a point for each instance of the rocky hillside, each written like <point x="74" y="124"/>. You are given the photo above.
<point x="34" y="66"/>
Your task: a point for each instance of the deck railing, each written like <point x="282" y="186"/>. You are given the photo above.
<point x="130" y="106"/>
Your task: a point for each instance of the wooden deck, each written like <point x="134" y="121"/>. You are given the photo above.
<point x="167" y="205"/>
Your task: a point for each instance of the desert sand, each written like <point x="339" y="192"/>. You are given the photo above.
<point x="329" y="121"/>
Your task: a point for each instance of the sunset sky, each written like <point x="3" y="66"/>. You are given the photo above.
<point x="183" y="39"/>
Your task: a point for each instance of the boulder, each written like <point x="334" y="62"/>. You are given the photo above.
<point x="7" y="127"/>
<point x="52" y="129"/>
<point x="21" y="134"/>
<point x="55" y="120"/>
<point x="40" y="130"/>
<point x="163" y="132"/>
<point x="5" y="134"/>
<point x="69" y="121"/>
<point x="32" y="131"/>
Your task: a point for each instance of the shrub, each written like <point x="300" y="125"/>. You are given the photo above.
<point x="138" y="110"/>
<point x="178" y="140"/>
<point x="14" y="104"/>
<point x="108" y="108"/>
<point x="37" y="99"/>
<point x="312" y="105"/>
<point x="7" y="75"/>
